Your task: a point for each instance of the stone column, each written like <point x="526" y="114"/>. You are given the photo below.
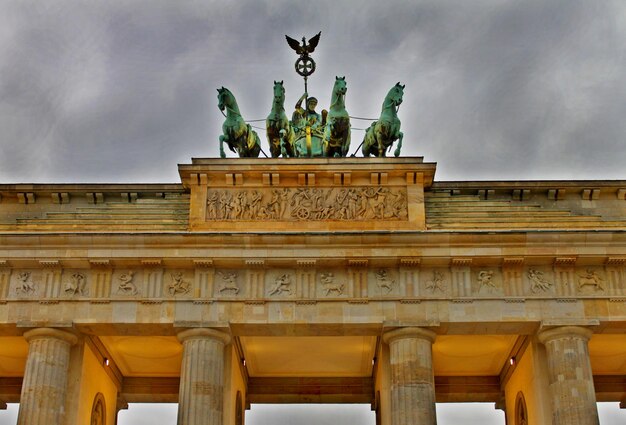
<point x="569" y="375"/>
<point x="45" y="379"/>
<point x="412" y="378"/>
<point x="201" y="390"/>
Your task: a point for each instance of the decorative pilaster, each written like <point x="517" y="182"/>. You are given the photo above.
<point x="204" y="277"/>
<point x="200" y="400"/>
<point x="52" y="278"/>
<point x="461" y="277"/>
<point x="102" y="275"/>
<point x="409" y="276"/>
<point x="255" y="279"/>
<point x="512" y="268"/>
<point x="564" y="268"/>
<point x="615" y="273"/>
<point x="570" y="376"/>
<point x="5" y="280"/>
<point x="412" y="378"/>
<point x="45" y="379"/>
<point x="152" y="278"/>
<point x="305" y="279"/>
<point x="357" y="278"/>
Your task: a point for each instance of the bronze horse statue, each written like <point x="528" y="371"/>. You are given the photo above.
<point x="382" y="133"/>
<point x="337" y="130"/>
<point x="238" y="135"/>
<point x="280" y="134"/>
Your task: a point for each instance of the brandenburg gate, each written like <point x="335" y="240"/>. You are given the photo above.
<point x="312" y="280"/>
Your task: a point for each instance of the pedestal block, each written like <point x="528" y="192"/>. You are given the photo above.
<point x="412" y="378"/>
<point x="202" y="377"/>
<point x="571" y="381"/>
<point x="44" y="387"/>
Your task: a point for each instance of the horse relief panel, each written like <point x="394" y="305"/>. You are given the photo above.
<point x="228" y="283"/>
<point x="179" y="283"/>
<point x="26" y="284"/>
<point x="280" y="284"/>
<point x="287" y="204"/>
<point x="74" y="283"/>
<point x="434" y="283"/>
<point x="332" y="283"/>
<point x="384" y="282"/>
<point x="487" y="281"/>
<point x="127" y="283"/>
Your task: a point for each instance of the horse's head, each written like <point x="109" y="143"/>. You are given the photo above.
<point x="395" y="95"/>
<point x="279" y="92"/>
<point x="340" y="86"/>
<point x="224" y="98"/>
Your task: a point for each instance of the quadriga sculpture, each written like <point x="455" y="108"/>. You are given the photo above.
<point x="337" y="131"/>
<point x="382" y="133"/>
<point x="238" y="135"/>
<point x="280" y="133"/>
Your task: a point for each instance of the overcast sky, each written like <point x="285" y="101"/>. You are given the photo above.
<point x="122" y="91"/>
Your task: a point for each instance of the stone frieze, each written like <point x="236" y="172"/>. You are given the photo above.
<point x="310" y="283"/>
<point x="308" y="204"/>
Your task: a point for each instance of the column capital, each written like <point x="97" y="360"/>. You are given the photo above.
<point x="41" y="333"/>
<point x="203" y="333"/>
<point x="409" y="332"/>
<point x="551" y="334"/>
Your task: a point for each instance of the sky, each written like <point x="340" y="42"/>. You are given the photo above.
<point x="123" y="90"/>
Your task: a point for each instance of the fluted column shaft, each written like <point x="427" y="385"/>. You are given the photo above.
<point x="570" y="376"/>
<point x="45" y="379"/>
<point x="202" y="377"/>
<point x="412" y="378"/>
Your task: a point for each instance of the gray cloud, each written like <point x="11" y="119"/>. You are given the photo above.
<point x="122" y="91"/>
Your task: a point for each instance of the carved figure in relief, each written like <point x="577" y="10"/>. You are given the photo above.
<point x="178" y="284"/>
<point x="538" y="282"/>
<point x="229" y="282"/>
<point x="212" y="205"/>
<point x="437" y="284"/>
<point x="383" y="281"/>
<point x="255" y="203"/>
<point x="275" y="208"/>
<point x="398" y="205"/>
<point x="76" y="285"/>
<point x="329" y="284"/>
<point x="590" y="278"/>
<point x="485" y="279"/>
<point x="225" y="203"/>
<point x="126" y="285"/>
<point x="281" y="284"/>
<point x="25" y="285"/>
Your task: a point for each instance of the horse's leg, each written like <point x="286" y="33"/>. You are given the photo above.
<point x="365" y="150"/>
<point x="382" y="149"/>
<point x="346" y="145"/>
<point x="256" y="147"/>
<point x="397" y="151"/>
<point x="222" y="153"/>
<point x="282" y="135"/>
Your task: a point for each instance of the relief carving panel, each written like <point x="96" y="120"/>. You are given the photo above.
<point x="316" y="204"/>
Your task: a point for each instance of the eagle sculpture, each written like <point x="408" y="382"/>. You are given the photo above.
<point x="304" y="49"/>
